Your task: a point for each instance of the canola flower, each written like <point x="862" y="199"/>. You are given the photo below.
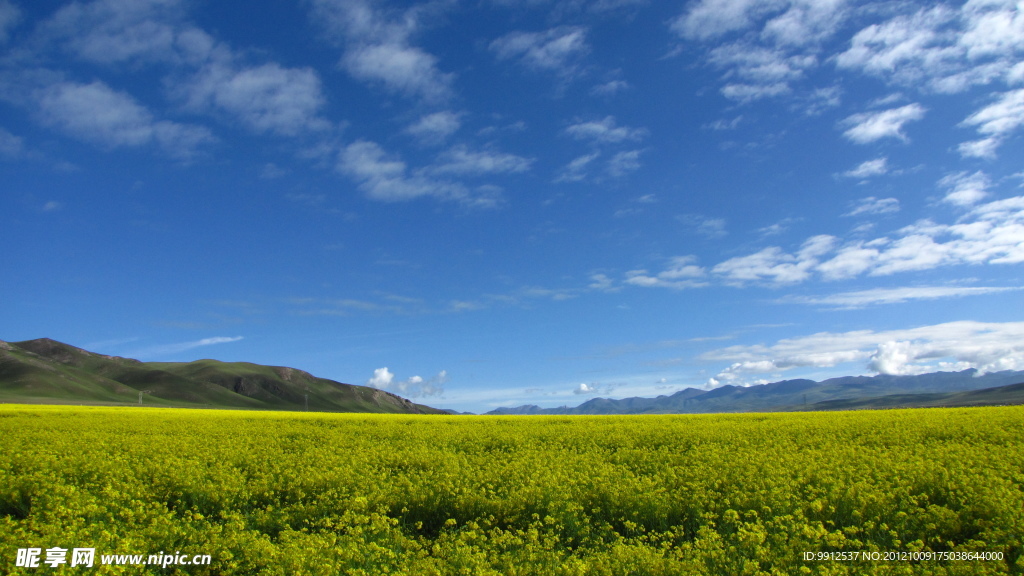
<point x="276" y="493"/>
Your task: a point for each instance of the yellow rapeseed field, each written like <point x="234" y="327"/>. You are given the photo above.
<point x="937" y="491"/>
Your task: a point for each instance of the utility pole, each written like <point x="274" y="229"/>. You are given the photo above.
<point x="141" y="392"/>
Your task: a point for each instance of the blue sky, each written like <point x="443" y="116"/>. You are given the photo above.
<point x="501" y="202"/>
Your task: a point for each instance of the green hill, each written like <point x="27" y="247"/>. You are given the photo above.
<point x="45" y="371"/>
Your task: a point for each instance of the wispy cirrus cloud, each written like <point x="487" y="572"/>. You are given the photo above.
<point x="879" y="296"/>
<point x="869" y="169"/>
<point x="170" y="349"/>
<point x="871" y="205"/>
<point x="556" y="50"/>
<point x="994" y="122"/>
<point x="868" y="127"/>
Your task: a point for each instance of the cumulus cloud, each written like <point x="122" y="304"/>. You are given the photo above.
<point x="773" y="265"/>
<point x="584" y="388"/>
<point x="871" y="126"/>
<point x="592" y="389"/>
<point x="266" y="98"/>
<point x="555" y="50"/>
<point x="112" y="31"/>
<point x="435" y="128"/>
<point x="413" y="387"/>
<point x="96" y="113"/>
<point x="386" y="178"/>
<point x="605" y="131"/>
<point x="380" y="50"/>
<point x="207" y="76"/>
<point x="987" y="233"/>
<point x="779" y="41"/>
<point x="943" y="48"/>
<point x="985" y="346"/>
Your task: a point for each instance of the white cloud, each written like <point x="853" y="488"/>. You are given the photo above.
<point x="710" y="19"/>
<point x="984" y="148"/>
<point x="965" y="189"/>
<point x="870" y="126"/>
<point x="602" y="282"/>
<point x="379" y="47"/>
<point x="555" y="50"/>
<point x="774" y="266"/>
<point x="400" y="68"/>
<point x="988" y="233"/>
<point x="863" y="298"/>
<point x="435" y="128"/>
<point x="413" y="387"/>
<point x="98" y="114"/>
<point x="10" y="145"/>
<point x="609" y="88"/>
<point x="577" y="169"/>
<point x="462" y="161"/>
<point x="623" y="163"/>
<point x="680" y="273"/>
<point x="780" y="40"/>
<point x="995" y="122"/>
<point x="876" y="167"/>
<point x="942" y="48"/>
<point x="10" y="15"/>
<point x="381" y="379"/>
<point x="585" y="388"/>
<point x="987" y="347"/>
<point x="384" y="178"/>
<point x="605" y="131"/>
<point x="113" y="31"/>
<point x="266" y="98"/>
<point x="872" y="205"/>
<point x="703" y="225"/>
<point x="166" y="349"/>
<point x="387" y="179"/>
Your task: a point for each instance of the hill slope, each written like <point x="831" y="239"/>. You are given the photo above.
<point x="49" y="372"/>
<point x="935" y="389"/>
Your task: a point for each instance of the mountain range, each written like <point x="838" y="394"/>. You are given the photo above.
<point x="966" y="388"/>
<point x="45" y="371"/>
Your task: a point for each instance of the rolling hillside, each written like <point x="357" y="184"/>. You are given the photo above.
<point x="45" y="371"/>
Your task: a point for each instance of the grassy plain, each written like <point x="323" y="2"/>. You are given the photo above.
<point x="313" y="493"/>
